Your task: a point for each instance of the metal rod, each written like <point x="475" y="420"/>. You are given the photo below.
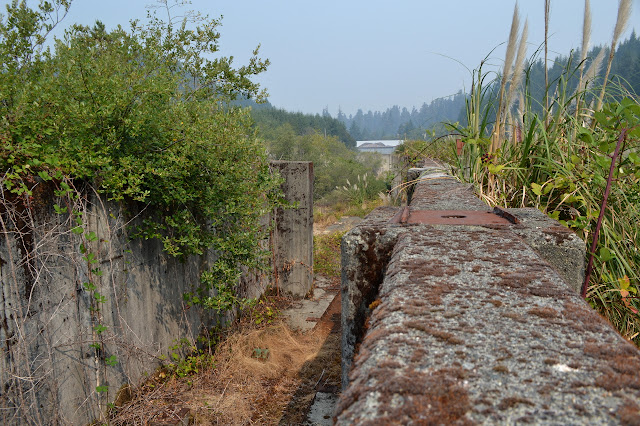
<point x="594" y="243"/>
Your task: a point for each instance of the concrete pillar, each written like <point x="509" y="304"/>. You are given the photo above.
<point x="292" y="240"/>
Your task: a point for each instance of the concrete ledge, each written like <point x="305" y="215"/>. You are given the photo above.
<point x="555" y="243"/>
<point x="456" y="324"/>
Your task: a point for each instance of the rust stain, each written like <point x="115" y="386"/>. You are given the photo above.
<point x="450" y="217"/>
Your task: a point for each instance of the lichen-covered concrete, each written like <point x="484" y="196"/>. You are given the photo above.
<point x="80" y="318"/>
<point x="470" y="324"/>
<point x="292" y="238"/>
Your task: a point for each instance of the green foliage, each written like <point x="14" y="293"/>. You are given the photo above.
<point x="269" y="119"/>
<point x="326" y="254"/>
<point x="625" y="71"/>
<point x="260" y="353"/>
<point x="360" y="191"/>
<point x="186" y="359"/>
<point x="99" y="329"/>
<point x="411" y="152"/>
<point x="146" y="114"/>
<point x="263" y="313"/>
<point x="111" y="360"/>
<point x="216" y="290"/>
<point x="333" y="163"/>
<point x="558" y="160"/>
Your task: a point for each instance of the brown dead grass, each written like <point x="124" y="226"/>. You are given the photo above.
<point x="245" y="390"/>
<point x="240" y="390"/>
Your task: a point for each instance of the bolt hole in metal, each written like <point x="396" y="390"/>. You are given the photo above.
<point x="453" y="216"/>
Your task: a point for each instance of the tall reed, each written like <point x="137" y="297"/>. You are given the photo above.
<point x="553" y="153"/>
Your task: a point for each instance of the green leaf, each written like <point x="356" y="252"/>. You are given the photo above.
<point x="59" y="210"/>
<point x="44" y="175"/>
<point x="111" y="361"/>
<point x="495" y="169"/>
<point x="537" y="189"/>
<point x="77" y="230"/>
<point x="605" y="254"/>
<point x="602" y="119"/>
<point x="603" y="161"/>
<point x="102" y="388"/>
<point x="585" y="135"/>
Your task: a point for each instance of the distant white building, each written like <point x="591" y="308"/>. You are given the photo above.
<point x="385" y="148"/>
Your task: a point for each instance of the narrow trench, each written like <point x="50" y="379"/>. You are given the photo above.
<point x="314" y="401"/>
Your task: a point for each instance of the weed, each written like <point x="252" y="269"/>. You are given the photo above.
<point x="555" y="153"/>
<point x="326" y="254"/>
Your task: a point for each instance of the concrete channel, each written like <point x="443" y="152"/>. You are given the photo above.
<point x="450" y="316"/>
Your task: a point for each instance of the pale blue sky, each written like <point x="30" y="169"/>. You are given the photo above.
<point x="372" y="54"/>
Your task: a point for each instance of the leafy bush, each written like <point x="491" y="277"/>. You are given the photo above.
<point x="333" y="163"/>
<point x="145" y="114"/>
<point x="326" y="254"/>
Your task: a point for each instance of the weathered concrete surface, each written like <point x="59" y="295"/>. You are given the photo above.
<point x="293" y="234"/>
<point x="469" y="324"/>
<point x="49" y="371"/>
<point x="71" y="324"/>
<point x="304" y="314"/>
<point x="365" y="252"/>
<point x="556" y="244"/>
<point x="321" y="411"/>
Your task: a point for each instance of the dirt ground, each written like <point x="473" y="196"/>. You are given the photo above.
<point x="244" y="389"/>
<point x="262" y="374"/>
<point x="320" y="374"/>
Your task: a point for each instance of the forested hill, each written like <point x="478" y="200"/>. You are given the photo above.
<point x="268" y="119"/>
<point x="625" y="69"/>
<point x="400" y="123"/>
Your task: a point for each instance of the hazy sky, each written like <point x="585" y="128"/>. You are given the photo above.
<point x="372" y="54"/>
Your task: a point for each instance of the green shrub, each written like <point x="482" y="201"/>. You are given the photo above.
<point x="144" y="114"/>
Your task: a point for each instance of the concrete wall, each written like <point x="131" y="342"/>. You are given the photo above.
<point x="457" y="323"/>
<point x="293" y="234"/>
<point x="48" y="317"/>
<point x="48" y="369"/>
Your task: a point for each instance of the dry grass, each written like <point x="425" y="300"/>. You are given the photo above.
<point x="240" y="390"/>
<point x="245" y="390"/>
<point x="325" y="215"/>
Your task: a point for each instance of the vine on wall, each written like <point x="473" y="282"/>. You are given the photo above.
<point x="143" y="116"/>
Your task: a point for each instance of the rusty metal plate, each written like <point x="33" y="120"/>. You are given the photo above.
<point x="451" y="217"/>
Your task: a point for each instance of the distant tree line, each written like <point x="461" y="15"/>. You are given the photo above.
<point x="625" y="70"/>
<point x="325" y="141"/>
<point x="400" y="123"/>
<point x="268" y="118"/>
